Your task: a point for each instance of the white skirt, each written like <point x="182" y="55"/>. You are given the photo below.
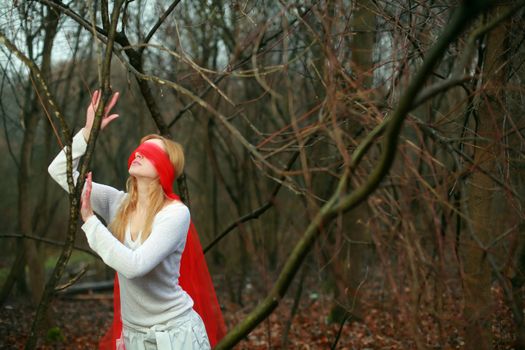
<point x="186" y="332"/>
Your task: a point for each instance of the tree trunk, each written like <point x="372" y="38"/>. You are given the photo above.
<point x="481" y="191"/>
<point x="363" y="28"/>
<point x="25" y="212"/>
<point x="33" y="259"/>
<point x="349" y="267"/>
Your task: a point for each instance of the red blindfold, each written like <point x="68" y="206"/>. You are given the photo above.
<point x="160" y="161"/>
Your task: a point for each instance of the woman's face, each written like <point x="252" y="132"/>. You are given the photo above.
<point x="142" y="167"/>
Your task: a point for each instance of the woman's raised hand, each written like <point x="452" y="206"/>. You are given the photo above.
<point x="85" y="209"/>
<point x="106" y="116"/>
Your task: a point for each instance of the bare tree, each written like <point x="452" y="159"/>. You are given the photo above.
<point x="316" y="129"/>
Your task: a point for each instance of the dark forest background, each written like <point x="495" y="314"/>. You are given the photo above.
<point x="365" y="154"/>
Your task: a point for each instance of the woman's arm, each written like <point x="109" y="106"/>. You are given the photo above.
<point x="104" y="199"/>
<point x="168" y="234"/>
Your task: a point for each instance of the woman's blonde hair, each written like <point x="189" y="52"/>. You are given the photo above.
<point x="157" y="197"/>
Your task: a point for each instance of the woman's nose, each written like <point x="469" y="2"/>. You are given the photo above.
<point x="138" y="155"/>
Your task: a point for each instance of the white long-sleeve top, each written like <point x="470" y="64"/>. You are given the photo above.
<point x="148" y="272"/>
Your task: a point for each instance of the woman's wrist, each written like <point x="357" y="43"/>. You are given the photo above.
<point x="87" y="216"/>
<point x="85" y="133"/>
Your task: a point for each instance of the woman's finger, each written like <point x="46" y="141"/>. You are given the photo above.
<point x="108" y="120"/>
<point x="94" y="99"/>
<point x="89" y="184"/>
<point x="99" y="95"/>
<point x="87" y="192"/>
<point x="85" y="199"/>
<point x="111" y="103"/>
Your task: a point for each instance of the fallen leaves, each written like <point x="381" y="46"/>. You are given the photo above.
<point x="82" y="321"/>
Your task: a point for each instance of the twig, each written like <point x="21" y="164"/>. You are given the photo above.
<point x="253" y="215"/>
<point x="101" y="34"/>
<point x="429" y="131"/>
<point x="224" y="121"/>
<point x="159" y="22"/>
<point x="46" y="240"/>
<point x="438" y="88"/>
<point x="39" y="80"/>
<point x="257" y="212"/>
<point x="73" y="280"/>
<point x="232" y="66"/>
<point x="295" y="307"/>
<point x="346" y="317"/>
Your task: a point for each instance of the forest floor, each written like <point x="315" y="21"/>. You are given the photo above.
<point x="82" y="319"/>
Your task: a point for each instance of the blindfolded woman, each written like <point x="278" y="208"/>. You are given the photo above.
<point x="163" y="290"/>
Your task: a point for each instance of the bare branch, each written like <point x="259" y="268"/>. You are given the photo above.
<point x="255" y="214"/>
<point x="161" y="19"/>
<point x="48" y="241"/>
<point x="438" y="88"/>
<point x="73" y="280"/>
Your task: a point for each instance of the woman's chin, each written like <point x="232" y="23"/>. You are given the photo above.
<point x="134" y="173"/>
<point x="142" y="176"/>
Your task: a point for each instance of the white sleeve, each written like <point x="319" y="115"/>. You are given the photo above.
<point x="170" y="228"/>
<point x="104" y="199"/>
